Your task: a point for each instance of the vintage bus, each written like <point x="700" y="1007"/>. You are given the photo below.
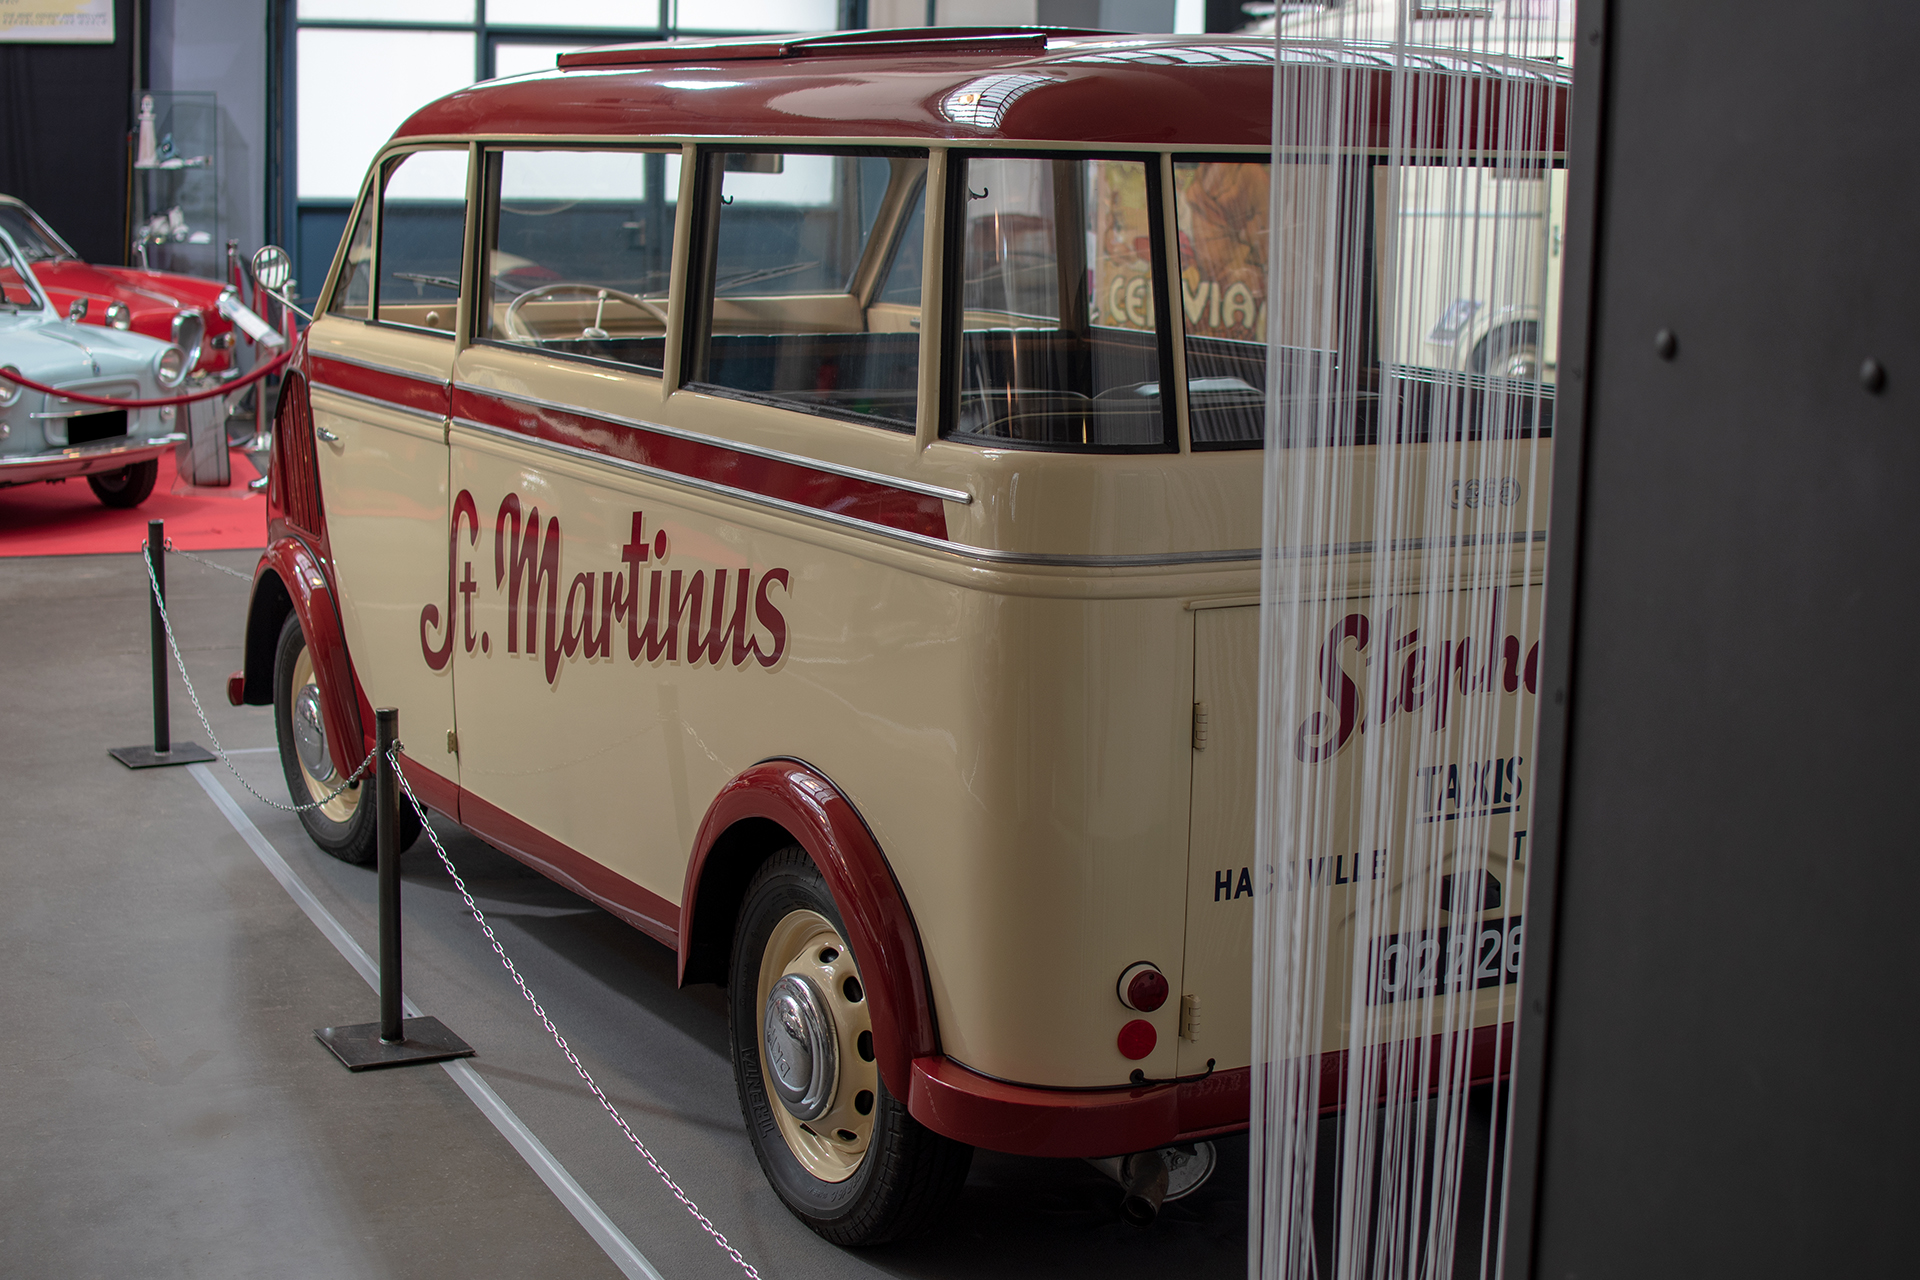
<point x="804" y="494"/>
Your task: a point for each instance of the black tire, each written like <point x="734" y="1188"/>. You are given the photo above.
<point x="907" y="1174"/>
<point x="346" y="826"/>
<point x="127" y="487"/>
<point x="1512" y="351"/>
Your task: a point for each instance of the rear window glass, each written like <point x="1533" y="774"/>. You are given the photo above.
<point x="810" y="293"/>
<point x="1222" y="211"/>
<point x="1061" y="318"/>
<point x="578" y="247"/>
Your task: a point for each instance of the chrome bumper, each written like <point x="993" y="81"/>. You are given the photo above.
<point x="85" y="459"/>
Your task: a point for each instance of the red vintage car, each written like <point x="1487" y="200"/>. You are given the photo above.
<point x="198" y="316"/>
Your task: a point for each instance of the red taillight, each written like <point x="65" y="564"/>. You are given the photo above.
<point x="1142" y="986"/>
<point x="1136" y="1039"/>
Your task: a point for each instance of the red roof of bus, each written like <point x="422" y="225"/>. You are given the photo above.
<point x="964" y="84"/>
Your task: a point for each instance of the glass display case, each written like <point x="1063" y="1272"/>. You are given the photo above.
<point x="175" y="190"/>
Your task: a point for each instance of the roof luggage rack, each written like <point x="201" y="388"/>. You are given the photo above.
<point x="950" y="42"/>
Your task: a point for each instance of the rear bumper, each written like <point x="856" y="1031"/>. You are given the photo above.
<point x="85" y="459"/>
<point x="1024" y="1120"/>
<point x="1027" y="1121"/>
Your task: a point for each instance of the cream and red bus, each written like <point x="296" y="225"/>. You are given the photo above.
<point x="804" y="495"/>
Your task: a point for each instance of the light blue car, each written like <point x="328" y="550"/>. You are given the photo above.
<point x="45" y="437"/>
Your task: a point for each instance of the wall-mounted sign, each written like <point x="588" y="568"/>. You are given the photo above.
<point x="56" y="21"/>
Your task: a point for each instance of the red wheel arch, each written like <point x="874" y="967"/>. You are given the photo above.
<point x="804" y="803"/>
<point x="298" y="573"/>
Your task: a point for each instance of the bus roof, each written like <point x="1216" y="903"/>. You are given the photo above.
<point x="1015" y="84"/>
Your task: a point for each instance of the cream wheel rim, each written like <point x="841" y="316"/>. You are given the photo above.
<point x="341" y="808"/>
<point x="832" y="1145"/>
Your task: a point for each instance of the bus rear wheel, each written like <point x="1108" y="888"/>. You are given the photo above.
<point x="838" y="1147"/>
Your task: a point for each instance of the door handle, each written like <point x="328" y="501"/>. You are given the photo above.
<point x="325" y="436"/>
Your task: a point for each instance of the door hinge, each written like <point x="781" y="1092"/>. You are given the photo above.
<point x="1199" y="726"/>
<point x="1189" y="1017"/>
<point x="453" y="743"/>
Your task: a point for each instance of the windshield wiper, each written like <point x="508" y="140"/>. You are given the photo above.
<point x="439" y="282"/>
<point x="764" y="273"/>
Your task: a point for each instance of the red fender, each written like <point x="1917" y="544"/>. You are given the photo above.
<point x="879" y="927"/>
<point x="299" y="571"/>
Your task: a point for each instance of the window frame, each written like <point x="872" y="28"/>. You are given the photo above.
<point x="953" y="295"/>
<point x="372" y="202"/>
<point x="366" y="205"/>
<point x="701" y="259"/>
<point x="1270" y="159"/>
<point x="487" y="195"/>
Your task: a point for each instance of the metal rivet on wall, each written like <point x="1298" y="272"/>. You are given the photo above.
<point x="1665" y="345"/>
<point x="1873" y="375"/>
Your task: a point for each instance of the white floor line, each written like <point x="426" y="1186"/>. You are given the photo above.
<point x="250" y="751"/>
<point x="632" y="1263"/>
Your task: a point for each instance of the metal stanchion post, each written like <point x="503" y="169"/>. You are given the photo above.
<point x="393" y="1041"/>
<point x="162" y="751"/>
<point x="386" y="733"/>
<point x="157" y="635"/>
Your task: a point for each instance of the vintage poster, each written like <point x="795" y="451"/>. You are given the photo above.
<point x="1223" y="248"/>
<point x="56" y="21"/>
<point x="1123" y="247"/>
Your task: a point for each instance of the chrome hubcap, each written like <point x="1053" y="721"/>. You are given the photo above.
<point x="801" y="1047"/>
<point x="310" y="733"/>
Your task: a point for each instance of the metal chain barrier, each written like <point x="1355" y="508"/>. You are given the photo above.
<point x="706" y="1224"/>
<point x="614" y="1112"/>
<point x="160" y="601"/>
<point x="231" y="573"/>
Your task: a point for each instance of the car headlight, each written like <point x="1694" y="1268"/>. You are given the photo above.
<point x="189" y="330"/>
<point x="170" y="366"/>
<point x="9" y="391"/>
<point x="119" y="315"/>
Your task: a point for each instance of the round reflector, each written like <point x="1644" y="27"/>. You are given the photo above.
<point x="1137" y="1039"/>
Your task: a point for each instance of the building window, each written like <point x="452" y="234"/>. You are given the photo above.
<point x="361" y="67"/>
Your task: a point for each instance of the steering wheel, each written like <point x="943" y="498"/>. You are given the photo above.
<point x="518" y="331"/>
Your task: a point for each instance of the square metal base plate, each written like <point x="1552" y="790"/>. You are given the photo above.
<point x="148" y="758"/>
<point x="360" y="1047"/>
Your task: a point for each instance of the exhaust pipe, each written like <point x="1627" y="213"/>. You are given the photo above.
<point x="1149" y="1179"/>
<point x="1143" y="1185"/>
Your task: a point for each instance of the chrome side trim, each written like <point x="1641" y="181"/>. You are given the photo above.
<point x="758" y="451"/>
<point x="437" y="419"/>
<point x="957" y="549"/>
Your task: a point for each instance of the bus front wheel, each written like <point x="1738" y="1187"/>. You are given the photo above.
<point x="838" y="1147"/>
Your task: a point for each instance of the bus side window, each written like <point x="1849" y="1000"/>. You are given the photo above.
<point x="810" y="292"/>
<point x="354" y="293"/>
<point x="579" y="247"/>
<point x="423" y="216"/>
<point x="1062" y="324"/>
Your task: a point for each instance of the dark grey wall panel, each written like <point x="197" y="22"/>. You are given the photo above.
<point x="1725" y="1082"/>
<point x="65" y="112"/>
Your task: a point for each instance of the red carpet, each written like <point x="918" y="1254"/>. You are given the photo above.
<point x="65" y="519"/>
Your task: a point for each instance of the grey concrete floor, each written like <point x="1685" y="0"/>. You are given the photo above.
<point x="165" y="1110"/>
